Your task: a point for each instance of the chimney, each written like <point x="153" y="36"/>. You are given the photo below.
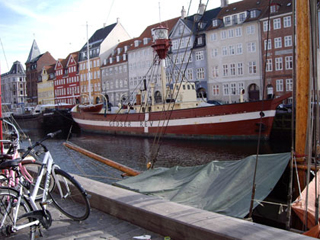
<point x="183" y="13"/>
<point x="202" y="8"/>
<point x="224" y="3"/>
<point x="118" y="20"/>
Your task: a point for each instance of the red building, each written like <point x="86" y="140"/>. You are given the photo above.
<point x="66" y="84"/>
<point x="34" y="65"/>
<point x="277" y="49"/>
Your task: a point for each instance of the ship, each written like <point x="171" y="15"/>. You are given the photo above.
<point x="179" y="113"/>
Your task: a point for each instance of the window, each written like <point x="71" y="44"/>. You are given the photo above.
<point x="277" y="23"/>
<point x="289" y="84"/>
<point x="279" y="85"/>
<point x="233" y="88"/>
<point x="288" y="41"/>
<point x="199" y="56"/>
<point x="252" y="67"/>
<point x="224" y="51"/>
<point x="266" y="26"/>
<point x="269" y="44"/>
<point x="253" y="14"/>
<point x="289" y="62"/>
<point x="239" y="48"/>
<point x="250" y="30"/>
<point x="225" y="70"/>
<point x="215" y="23"/>
<point x="242" y="17"/>
<point x="279" y="64"/>
<point x="215" y="72"/>
<point x="190" y="74"/>
<point x="214" y="52"/>
<point x="278" y="42"/>
<point x="215" y="90"/>
<point x="232" y="69"/>
<point x="240" y="87"/>
<point x="240" y="69"/>
<point x="269" y="65"/>
<point x="231" y="50"/>
<point x="238" y="32"/>
<point x="251" y="47"/>
<point x="227" y="20"/>
<point x="213" y="37"/>
<point x="234" y="19"/>
<point x="199" y="41"/>
<point x="231" y="33"/>
<point x="287" y="22"/>
<point x="224" y="34"/>
<point x="225" y="89"/>
<point x="200" y="73"/>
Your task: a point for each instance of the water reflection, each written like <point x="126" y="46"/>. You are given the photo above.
<point x="136" y="152"/>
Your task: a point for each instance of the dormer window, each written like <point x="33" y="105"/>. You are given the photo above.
<point x="215" y="23"/>
<point x="124" y="56"/>
<point x="118" y="58"/>
<point x="110" y="60"/>
<point x="125" y="49"/>
<point x="136" y="43"/>
<point x="227" y="21"/>
<point x="234" y="19"/>
<point x="119" y="50"/>
<point x="253" y="13"/>
<point x="274" y="8"/>
<point x="145" y="41"/>
<point x="242" y="17"/>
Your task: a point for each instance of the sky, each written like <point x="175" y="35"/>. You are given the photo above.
<point x="59" y="26"/>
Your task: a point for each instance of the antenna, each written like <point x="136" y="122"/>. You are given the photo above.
<point x="159" y="14"/>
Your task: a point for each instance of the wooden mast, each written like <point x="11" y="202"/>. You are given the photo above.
<point x="302" y="81"/>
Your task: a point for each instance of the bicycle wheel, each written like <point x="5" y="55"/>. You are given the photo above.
<point x="8" y="206"/>
<point x="69" y="196"/>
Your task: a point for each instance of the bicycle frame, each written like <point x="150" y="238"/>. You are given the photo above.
<point x="47" y="169"/>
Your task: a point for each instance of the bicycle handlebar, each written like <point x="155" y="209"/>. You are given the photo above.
<point x="39" y="143"/>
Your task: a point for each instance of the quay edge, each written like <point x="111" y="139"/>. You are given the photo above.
<point x="173" y="219"/>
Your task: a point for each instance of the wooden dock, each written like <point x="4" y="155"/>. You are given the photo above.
<point x="175" y="220"/>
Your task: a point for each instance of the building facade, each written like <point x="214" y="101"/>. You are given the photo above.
<point x="234" y="52"/>
<point x="45" y="87"/>
<point x="34" y="65"/>
<point x="101" y="44"/>
<point x="13" y="86"/>
<point x="277" y="49"/>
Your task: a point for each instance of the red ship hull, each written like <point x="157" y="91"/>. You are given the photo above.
<point x="231" y="121"/>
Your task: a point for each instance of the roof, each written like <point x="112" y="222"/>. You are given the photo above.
<point x="96" y="39"/>
<point x="17" y="68"/>
<point x="34" y="52"/>
<point x="242" y="6"/>
<point x="284" y="6"/>
<point x="206" y="18"/>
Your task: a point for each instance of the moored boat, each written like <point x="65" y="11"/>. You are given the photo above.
<point x="179" y="113"/>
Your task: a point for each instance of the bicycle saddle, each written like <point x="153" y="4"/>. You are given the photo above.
<point x="10" y="163"/>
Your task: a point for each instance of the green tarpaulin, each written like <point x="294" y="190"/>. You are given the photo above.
<point x="220" y="186"/>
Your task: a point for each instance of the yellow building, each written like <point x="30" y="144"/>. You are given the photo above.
<point x="45" y="87"/>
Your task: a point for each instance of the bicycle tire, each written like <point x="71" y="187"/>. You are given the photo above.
<point x="74" y="203"/>
<point x="8" y="200"/>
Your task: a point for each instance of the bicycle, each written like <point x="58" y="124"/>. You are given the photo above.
<point x="18" y="207"/>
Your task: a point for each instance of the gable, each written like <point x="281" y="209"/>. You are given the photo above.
<point x="180" y="28"/>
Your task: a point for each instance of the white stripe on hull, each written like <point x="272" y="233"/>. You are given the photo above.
<point x="177" y="122"/>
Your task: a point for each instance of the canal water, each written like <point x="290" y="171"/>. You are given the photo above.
<point x="136" y="152"/>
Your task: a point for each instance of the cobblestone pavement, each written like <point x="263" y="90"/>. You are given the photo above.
<point x="99" y="225"/>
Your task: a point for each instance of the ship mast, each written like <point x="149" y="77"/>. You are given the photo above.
<point x="161" y="46"/>
<point x="88" y="60"/>
<point x="302" y="80"/>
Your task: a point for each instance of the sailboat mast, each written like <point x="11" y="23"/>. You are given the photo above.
<point x="89" y="76"/>
<point x="302" y="74"/>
